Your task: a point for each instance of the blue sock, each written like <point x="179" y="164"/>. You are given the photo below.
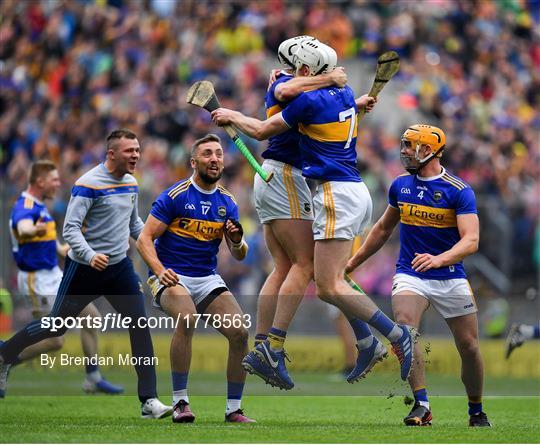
<point x="91" y="368"/>
<point x="475" y="408"/>
<point x="420" y="395"/>
<point x="362" y="332"/>
<point x="536" y="333"/>
<point x="386" y="326"/>
<point x="179" y="383"/>
<point x="179" y="380"/>
<point x="259" y="338"/>
<point x="234" y="390"/>
<point x="234" y="396"/>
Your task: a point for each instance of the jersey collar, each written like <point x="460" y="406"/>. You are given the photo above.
<point x="206" y="192"/>
<point x="32" y="197"/>
<point x="431" y="178"/>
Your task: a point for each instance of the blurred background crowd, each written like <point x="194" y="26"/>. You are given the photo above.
<point x="71" y="71"/>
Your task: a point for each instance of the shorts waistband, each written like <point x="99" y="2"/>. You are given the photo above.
<point x="279" y="164"/>
<point x="319" y="182"/>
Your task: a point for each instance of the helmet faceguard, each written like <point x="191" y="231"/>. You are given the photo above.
<point x="415" y="137"/>
<point x="286" y="51"/>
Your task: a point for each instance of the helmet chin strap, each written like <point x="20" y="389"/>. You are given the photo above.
<point x="423" y="162"/>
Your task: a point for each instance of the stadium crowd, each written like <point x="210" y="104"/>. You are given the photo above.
<point x="70" y="71"/>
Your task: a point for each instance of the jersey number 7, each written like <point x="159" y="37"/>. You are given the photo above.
<point x="343" y="117"/>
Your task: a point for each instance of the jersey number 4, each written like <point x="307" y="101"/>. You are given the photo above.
<point x="343" y="117"/>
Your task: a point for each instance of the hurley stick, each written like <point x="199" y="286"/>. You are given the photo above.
<point x="203" y="95"/>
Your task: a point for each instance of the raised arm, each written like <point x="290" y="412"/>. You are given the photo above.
<point x="287" y="91"/>
<point x="254" y="128"/>
<point x="154" y="228"/>
<point x="366" y="102"/>
<point x="376" y="238"/>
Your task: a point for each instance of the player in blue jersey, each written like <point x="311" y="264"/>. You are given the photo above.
<point x="285" y="209"/>
<point x="438" y="228"/>
<point x="100" y="218"/>
<point x="327" y="122"/>
<point x="35" y="250"/>
<point x="180" y="242"/>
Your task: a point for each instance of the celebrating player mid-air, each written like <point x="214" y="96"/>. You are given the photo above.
<point x="285" y="209"/>
<point x="327" y="122"/>
<point x="180" y="242"/>
<point x="438" y="228"/>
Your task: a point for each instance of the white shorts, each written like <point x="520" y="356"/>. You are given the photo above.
<point x="342" y="210"/>
<point x="450" y="298"/>
<point x="286" y="196"/>
<point x="40" y="288"/>
<point x="203" y="290"/>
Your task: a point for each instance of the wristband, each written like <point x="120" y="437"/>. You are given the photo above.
<point x="237" y="245"/>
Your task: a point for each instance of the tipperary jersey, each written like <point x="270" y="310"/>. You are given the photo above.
<point x="284" y="146"/>
<point x="37" y="252"/>
<point x="327" y="123"/>
<point x="428" y="210"/>
<point x="196" y="221"/>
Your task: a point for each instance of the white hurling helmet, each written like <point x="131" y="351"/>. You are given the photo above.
<point x="286" y="51"/>
<point x="317" y="56"/>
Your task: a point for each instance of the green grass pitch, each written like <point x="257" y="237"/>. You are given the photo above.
<point x="367" y="414"/>
<point x="319" y="419"/>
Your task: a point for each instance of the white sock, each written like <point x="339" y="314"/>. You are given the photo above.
<point x="424" y="403"/>
<point x="395" y="334"/>
<point x="527" y="331"/>
<point x="181" y="394"/>
<point x="232" y="405"/>
<point x="94" y="376"/>
<point x="365" y="342"/>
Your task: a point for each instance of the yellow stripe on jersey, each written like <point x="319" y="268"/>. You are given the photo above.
<point x="181" y="188"/>
<point x="329" y="206"/>
<point x="197" y="229"/>
<point x="455" y="179"/>
<point x="273" y="110"/>
<point x="28" y="203"/>
<point x="294" y="202"/>
<point x="330" y="132"/>
<point x="224" y="191"/>
<point x="457" y="184"/>
<point x="419" y="215"/>
<point x="50" y="235"/>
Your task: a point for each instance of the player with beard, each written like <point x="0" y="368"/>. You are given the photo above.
<point x="180" y="242"/>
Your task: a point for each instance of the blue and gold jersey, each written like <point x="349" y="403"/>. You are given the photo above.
<point x="428" y="210"/>
<point x="285" y="146"/>
<point x="196" y="222"/>
<point x="37" y="252"/>
<point x="327" y="123"/>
